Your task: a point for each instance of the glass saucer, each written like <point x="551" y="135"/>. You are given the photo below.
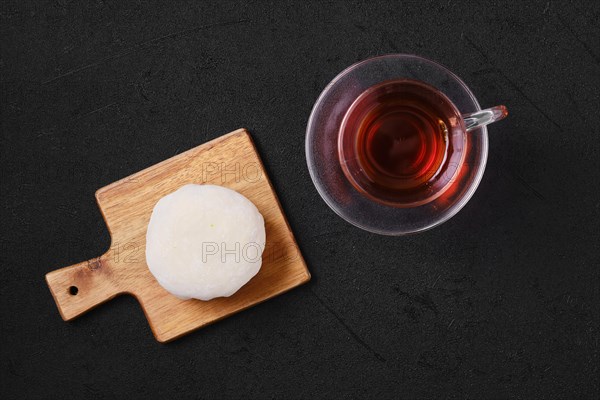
<point x="322" y="146"/>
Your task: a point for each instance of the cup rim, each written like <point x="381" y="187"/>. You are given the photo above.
<point x="341" y="138"/>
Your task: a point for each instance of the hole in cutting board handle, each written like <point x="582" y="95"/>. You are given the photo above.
<point x="73" y="290"/>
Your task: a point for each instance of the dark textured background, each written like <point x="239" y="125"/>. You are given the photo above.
<point x="502" y="301"/>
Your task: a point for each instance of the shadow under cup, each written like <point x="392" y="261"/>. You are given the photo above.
<point x="402" y="143"/>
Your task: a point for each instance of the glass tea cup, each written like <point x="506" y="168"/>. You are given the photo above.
<point x="397" y="144"/>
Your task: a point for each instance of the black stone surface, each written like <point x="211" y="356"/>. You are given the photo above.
<point x="502" y="301"/>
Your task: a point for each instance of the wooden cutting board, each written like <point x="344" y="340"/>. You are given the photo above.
<point x="231" y="161"/>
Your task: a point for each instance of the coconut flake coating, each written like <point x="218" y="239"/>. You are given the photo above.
<point x="204" y="241"/>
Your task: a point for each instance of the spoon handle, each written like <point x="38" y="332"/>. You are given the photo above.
<point x="484" y="117"/>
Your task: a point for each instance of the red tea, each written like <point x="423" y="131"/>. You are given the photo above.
<point x="401" y="143"/>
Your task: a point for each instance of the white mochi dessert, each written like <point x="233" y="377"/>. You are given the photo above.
<point x="204" y="241"/>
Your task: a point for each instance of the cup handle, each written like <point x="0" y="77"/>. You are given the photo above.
<point x="484" y="117"/>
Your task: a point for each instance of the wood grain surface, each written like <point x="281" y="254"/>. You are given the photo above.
<point x="231" y="161"/>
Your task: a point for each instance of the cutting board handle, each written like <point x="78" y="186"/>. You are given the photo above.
<point x="83" y="286"/>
